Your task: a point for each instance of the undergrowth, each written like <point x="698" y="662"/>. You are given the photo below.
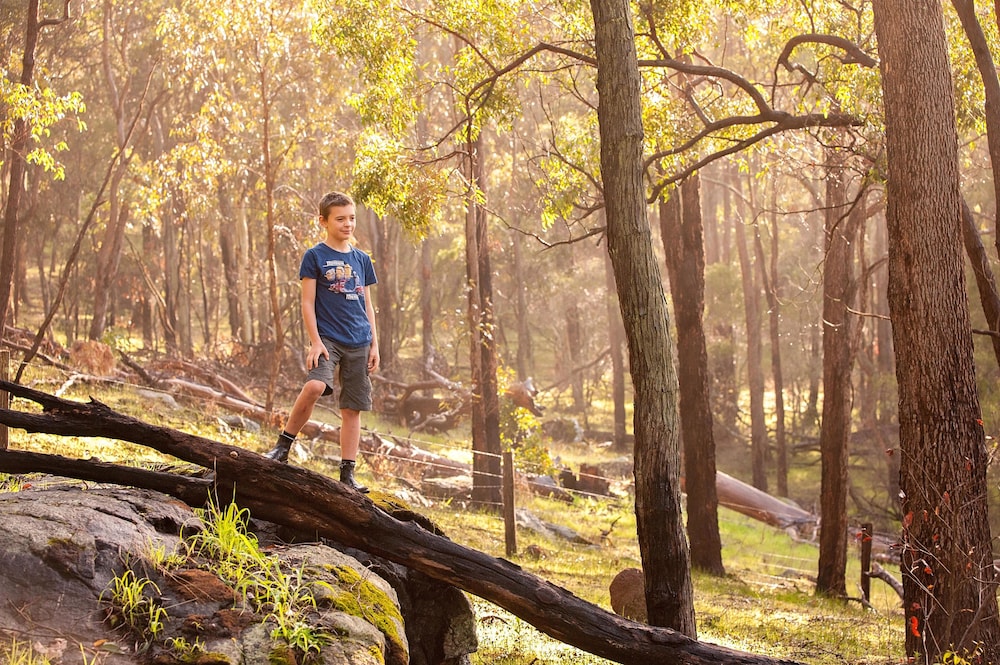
<point x="765" y="604"/>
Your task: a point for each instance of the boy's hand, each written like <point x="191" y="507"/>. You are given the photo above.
<point x="373" y="359"/>
<point x="315" y="351"/>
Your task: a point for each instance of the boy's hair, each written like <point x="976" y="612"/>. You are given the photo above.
<point x="333" y="200"/>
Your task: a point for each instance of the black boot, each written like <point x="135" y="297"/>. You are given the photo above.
<point x="347" y="476"/>
<point x="280" y="451"/>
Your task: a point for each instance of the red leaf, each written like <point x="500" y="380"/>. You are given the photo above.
<point x="915" y="626"/>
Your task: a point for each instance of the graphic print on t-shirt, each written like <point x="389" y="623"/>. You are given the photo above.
<point x="343" y="279"/>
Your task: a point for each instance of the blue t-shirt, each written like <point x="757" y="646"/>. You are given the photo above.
<point x="341" y="278"/>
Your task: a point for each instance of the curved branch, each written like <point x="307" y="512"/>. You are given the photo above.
<point x="713" y="72"/>
<point x="854" y="55"/>
<point x="785" y="123"/>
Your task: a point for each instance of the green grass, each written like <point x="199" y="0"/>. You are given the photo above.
<point x="764" y="605"/>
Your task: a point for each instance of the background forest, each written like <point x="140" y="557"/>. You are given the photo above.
<point x="163" y="162"/>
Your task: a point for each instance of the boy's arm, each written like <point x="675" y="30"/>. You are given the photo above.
<point x="373" y="355"/>
<point x="316" y="346"/>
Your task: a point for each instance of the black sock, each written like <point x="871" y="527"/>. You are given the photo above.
<point x="286" y="437"/>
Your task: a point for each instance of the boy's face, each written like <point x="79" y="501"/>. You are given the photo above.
<point x="340" y="222"/>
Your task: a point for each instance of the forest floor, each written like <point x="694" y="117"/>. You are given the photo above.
<point x="765" y="604"/>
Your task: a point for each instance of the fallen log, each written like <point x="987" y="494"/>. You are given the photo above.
<point x="310" y="502"/>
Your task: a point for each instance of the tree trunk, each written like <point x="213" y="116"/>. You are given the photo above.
<point x="229" y="255"/>
<point x="427" y="302"/>
<point x="616" y="342"/>
<point x="985" y="282"/>
<point x="16" y="157"/>
<point x="112" y="242"/>
<point x="663" y="548"/>
<point x="839" y="288"/>
<point x="525" y="356"/>
<point x="684" y="249"/>
<point x="755" y="372"/>
<point x="482" y="344"/>
<point x="966" y="10"/>
<point x="307" y="501"/>
<point x="769" y="279"/>
<point x="277" y="328"/>
<point x="947" y="558"/>
<point x="574" y="350"/>
<point x="385" y="246"/>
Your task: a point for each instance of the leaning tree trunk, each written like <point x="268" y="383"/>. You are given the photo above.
<point x="947" y="558"/>
<point x="662" y="545"/>
<point x="684" y="249"/>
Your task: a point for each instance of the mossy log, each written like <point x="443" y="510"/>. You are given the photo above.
<point x="310" y="502"/>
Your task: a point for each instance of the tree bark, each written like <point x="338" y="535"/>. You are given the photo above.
<point x="966" y="10"/>
<point x="385" y="246"/>
<point x="684" y="249"/>
<point x="16" y="156"/>
<point x="482" y="342"/>
<point x="755" y="372"/>
<point x="947" y="560"/>
<point x="662" y="545"/>
<point x="616" y="344"/>
<point x="838" y="299"/>
<point x="985" y="282"/>
<point x="307" y="501"/>
<point x="769" y="280"/>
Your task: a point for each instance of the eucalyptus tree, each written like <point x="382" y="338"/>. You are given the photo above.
<point x="29" y="109"/>
<point x="949" y="578"/>
<point x="127" y="68"/>
<point x="260" y="127"/>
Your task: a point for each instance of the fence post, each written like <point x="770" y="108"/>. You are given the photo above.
<point x="4" y="395"/>
<point x="510" y="533"/>
<point x="866" y="561"/>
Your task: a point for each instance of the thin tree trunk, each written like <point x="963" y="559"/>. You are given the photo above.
<point x="616" y="342"/>
<point x="427" y="302"/>
<point x="684" y="248"/>
<point x="525" y="357"/>
<point x="485" y="409"/>
<point x="755" y="372"/>
<point x="769" y="279"/>
<point x="662" y="545"/>
<point x="385" y="241"/>
<point x="16" y="155"/>
<point x="949" y="580"/>
<point x="574" y="349"/>
<point x="228" y="249"/>
<point x="985" y="282"/>
<point x="966" y="10"/>
<point x="838" y="300"/>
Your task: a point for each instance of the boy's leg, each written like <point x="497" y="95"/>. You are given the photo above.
<point x="350" y="441"/>
<point x="297" y="418"/>
<point x="355" y="397"/>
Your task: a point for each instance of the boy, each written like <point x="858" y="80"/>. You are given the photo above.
<point x="340" y="320"/>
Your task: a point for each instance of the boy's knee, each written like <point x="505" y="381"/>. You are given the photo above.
<point x="314" y="389"/>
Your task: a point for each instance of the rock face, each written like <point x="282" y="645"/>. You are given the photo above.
<point x="64" y="548"/>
